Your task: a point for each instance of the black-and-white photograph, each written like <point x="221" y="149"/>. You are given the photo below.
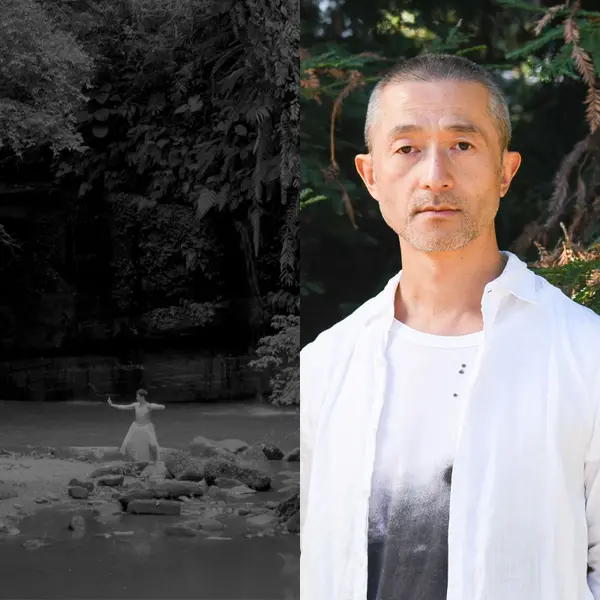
<point x="149" y="299"/>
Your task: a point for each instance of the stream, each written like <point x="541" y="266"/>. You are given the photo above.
<point x="125" y="556"/>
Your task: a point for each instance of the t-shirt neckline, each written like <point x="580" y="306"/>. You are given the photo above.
<point x="434" y="340"/>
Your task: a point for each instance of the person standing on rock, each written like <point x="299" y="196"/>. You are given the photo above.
<point x="450" y="427"/>
<point x="141" y="442"/>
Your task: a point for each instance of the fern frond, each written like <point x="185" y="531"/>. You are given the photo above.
<point x="547" y="18"/>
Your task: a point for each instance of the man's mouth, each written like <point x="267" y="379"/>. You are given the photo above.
<point x="440" y="210"/>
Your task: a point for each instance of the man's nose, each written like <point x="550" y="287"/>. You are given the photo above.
<point x="436" y="176"/>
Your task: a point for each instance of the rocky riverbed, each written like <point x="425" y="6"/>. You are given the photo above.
<point x="213" y="490"/>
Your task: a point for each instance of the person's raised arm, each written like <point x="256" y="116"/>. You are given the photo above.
<point x="121" y="406"/>
<point x="157" y="407"/>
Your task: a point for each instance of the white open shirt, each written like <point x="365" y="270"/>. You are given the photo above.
<point x="525" y="497"/>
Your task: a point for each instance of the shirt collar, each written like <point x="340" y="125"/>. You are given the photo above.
<point x="516" y="279"/>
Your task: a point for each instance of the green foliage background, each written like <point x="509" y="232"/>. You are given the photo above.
<point x="149" y="172"/>
<point x="348" y="253"/>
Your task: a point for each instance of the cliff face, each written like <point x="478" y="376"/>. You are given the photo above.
<point x="113" y="274"/>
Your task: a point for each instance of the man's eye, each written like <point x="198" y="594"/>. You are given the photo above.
<point x="464" y="146"/>
<point x="405" y="149"/>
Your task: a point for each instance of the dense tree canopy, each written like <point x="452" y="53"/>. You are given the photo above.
<point x="149" y="168"/>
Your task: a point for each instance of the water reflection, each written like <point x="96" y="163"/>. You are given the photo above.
<point x="145" y="563"/>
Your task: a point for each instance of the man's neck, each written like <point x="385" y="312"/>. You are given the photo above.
<point x="440" y="292"/>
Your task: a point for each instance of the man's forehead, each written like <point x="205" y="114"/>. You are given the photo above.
<point x="450" y="124"/>
<point x="467" y="98"/>
<point x="408" y="107"/>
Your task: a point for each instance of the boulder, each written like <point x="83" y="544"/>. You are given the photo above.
<point x="111" y="480"/>
<point x="203" y="447"/>
<point x="234" y="446"/>
<point x="114" y="469"/>
<point x="253" y="457"/>
<point x="154" y="507"/>
<point x="293" y="456"/>
<point x="293" y="523"/>
<point x="183" y="466"/>
<point x="227" y="482"/>
<point x="78" y="492"/>
<point x="131" y="469"/>
<point x="272" y="452"/>
<point x="222" y="467"/>
<point x="175" y="489"/>
<point x="217" y="493"/>
<point x="166" y="490"/>
<point x="264" y="520"/>
<point x="88" y="485"/>
<point x="132" y="495"/>
<point x="131" y="483"/>
<point x="240" y="491"/>
<point x="290" y="506"/>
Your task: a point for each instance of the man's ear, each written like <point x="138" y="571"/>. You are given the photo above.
<point x="364" y="166"/>
<point x="510" y="166"/>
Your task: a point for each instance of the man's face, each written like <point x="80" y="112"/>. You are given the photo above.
<point x="436" y="147"/>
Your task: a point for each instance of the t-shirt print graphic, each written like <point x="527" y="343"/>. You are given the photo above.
<point x="409" y="505"/>
<point x="408" y="548"/>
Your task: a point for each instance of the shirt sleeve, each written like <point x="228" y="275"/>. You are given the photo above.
<point x="314" y="371"/>
<point x="306" y="429"/>
<point x="592" y="505"/>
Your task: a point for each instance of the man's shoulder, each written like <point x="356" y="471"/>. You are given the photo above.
<point x="579" y="319"/>
<point x="571" y="309"/>
<point x="341" y="335"/>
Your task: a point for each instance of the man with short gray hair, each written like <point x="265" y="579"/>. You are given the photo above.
<point x="450" y="431"/>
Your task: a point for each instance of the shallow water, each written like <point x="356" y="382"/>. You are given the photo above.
<point x="149" y="565"/>
<point x="96" y="424"/>
<point x="145" y="563"/>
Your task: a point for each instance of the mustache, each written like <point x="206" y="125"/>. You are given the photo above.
<point x="444" y="199"/>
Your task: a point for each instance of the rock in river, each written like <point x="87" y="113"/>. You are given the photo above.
<point x="163" y="491"/>
<point x="111" y="480"/>
<point x="88" y="485"/>
<point x="272" y="452"/>
<point x="264" y="520"/>
<point x="203" y="447"/>
<point x="290" y="506"/>
<point x="78" y="493"/>
<point x="222" y="467"/>
<point x="293" y="456"/>
<point x="175" y="489"/>
<point x="235" y="446"/>
<point x="154" y="507"/>
<point x="183" y="466"/>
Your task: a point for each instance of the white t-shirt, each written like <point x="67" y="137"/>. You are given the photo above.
<point x="410" y="493"/>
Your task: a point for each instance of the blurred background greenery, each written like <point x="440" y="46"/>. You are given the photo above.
<point x="546" y="58"/>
